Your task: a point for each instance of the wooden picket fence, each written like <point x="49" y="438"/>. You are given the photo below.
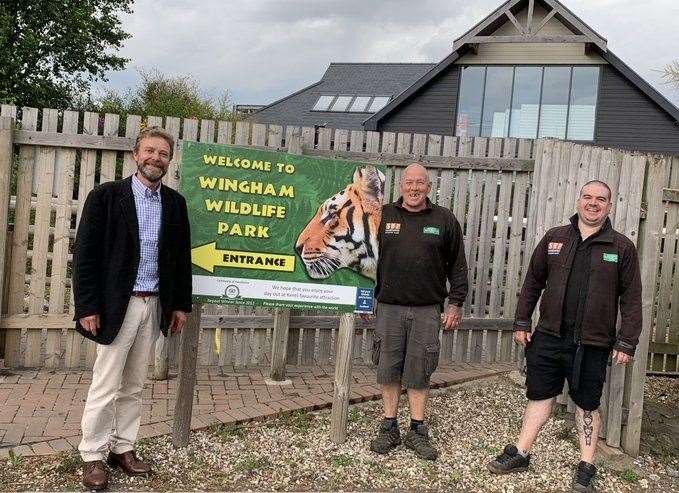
<point x="61" y="156"/>
<point x="505" y="192"/>
<point x="664" y="345"/>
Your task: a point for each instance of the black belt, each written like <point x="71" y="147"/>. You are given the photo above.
<point x="144" y="294"/>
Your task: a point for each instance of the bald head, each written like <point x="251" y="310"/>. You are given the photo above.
<point x="415" y="186"/>
<point x="415" y="171"/>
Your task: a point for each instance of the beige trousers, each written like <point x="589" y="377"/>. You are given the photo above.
<point x="113" y="409"/>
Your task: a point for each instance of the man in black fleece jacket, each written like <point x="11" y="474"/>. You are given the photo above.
<point x="584" y="272"/>
<point x="421" y="250"/>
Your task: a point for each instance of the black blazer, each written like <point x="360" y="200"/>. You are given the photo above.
<point x="106" y="257"/>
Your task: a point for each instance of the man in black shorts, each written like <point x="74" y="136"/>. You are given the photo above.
<point x="585" y="271"/>
<point x="421" y="250"/>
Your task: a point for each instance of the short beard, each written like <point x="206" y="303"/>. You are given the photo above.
<point x="154" y="177"/>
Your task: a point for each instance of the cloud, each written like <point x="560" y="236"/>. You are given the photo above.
<point x="261" y="50"/>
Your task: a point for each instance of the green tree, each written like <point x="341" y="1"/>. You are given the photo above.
<point x="162" y="95"/>
<point x="52" y="50"/>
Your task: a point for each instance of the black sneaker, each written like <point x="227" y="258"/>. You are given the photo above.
<point x="510" y="460"/>
<point x="584" y="477"/>
<point x="418" y="440"/>
<point x="388" y="437"/>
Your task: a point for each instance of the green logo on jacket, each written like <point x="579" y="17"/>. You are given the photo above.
<point x="431" y="230"/>
<point x="610" y="257"/>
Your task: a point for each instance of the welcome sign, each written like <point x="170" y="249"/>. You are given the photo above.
<point x="281" y="230"/>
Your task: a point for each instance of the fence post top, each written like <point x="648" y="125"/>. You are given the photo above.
<point x="6" y="122"/>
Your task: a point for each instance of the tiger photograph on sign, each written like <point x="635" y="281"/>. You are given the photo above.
<point x="343" y="232"/>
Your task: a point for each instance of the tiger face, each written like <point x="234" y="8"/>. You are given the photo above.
<point x="343" y="233"/>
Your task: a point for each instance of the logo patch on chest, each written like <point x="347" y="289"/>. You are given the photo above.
<point x="610" y="257"/>
<point x="554" y="248"/>
<point x="431" y="230"/>
<point x="392" y="228"/>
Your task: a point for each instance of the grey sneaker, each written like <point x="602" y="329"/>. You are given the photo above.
<point x="418" y="440"/>
<point x="510" y="460"/>
<point x="388" y="437"/>
<point x="584" y="477"/>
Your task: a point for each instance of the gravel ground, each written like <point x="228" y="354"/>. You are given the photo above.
<point x="664" y="390"/>
<point x="470" y="424"/>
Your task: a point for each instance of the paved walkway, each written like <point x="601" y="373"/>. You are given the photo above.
<point x="40" y="411"/>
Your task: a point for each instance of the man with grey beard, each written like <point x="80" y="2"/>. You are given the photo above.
<point x="131" y="280"/>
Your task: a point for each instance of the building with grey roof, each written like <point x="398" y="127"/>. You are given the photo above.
<point x="530" y="69"/>
<point x="346" y="95"/>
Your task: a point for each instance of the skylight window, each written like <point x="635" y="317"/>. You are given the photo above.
<point x="378" y="103"/>
<point x="359" y="104"/>
<point x="323" y="103"/>
<point x="341" y="103"/>
<point x="350" y="104"/>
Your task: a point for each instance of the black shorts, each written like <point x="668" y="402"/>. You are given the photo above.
<point x="550" y="360"/>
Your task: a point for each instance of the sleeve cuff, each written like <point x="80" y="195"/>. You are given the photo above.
<point x="522" y="325"/>
<point x="623" y="347"/>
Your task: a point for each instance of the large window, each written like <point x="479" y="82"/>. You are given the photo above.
<point x="554" y="104"/>
<point x="528" y="101"/>
<point x="497" y="101"/>
<point x="470" y="105"/>
<point x="525" y="102"/>
<point x="583" y="103"/>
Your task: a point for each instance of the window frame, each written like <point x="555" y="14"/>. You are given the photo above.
<point x="346" y="109"/>
<point x="372" y="100"/>
<point x="600" y="67"/>
<point x="332" y="97"/>
<point x="367" y="104"/>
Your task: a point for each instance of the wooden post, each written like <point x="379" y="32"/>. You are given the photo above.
<point x="5" y="288"/>
<point x="343" y="362"/>
<point x="6" y="157"/>
<point x="657" y="171"/>
<point x="279" y="344"/>
<point x="188" y="355"/>
<point x="160" y="360"/>
<point x="281" y="324"/>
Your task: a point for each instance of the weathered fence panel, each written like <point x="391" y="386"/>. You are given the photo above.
<point x="62" y="156"/>
<point x="664" y="345"/>
<point x="505" y="192"/>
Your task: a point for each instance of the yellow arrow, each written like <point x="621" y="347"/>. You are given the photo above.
<point x="208" y="257"/>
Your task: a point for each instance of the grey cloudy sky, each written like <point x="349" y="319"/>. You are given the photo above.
<point x="261" y="50"/>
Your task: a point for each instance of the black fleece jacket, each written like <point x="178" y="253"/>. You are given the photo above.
<point x="614" y="282"/>
<point x="419" y="253"/>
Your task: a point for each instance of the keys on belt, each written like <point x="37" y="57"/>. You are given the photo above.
<point x="144" y="294"/>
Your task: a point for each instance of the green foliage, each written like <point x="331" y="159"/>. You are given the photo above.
<point x="252" y="463"/>
<point x="455" y="477"/>
<point x="15" y="460"/>
<point x="298" y="421"/>
<point x="565" y="432"/>
<point x="629" y="475"/>
<point x="162" y="95"/>
<point x="68" y="463"/>
<point x="341" y="460"/>
<point x="52" y="50"/>
<point x="228" y="432"/>
<point x="356" y="415"/>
